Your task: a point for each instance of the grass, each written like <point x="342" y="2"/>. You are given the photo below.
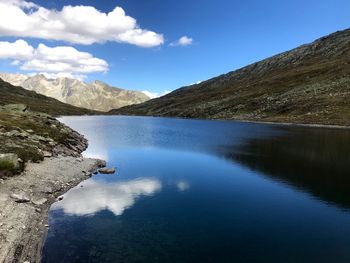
<point x="7" y="168"/>
<point x="23" y="144"/>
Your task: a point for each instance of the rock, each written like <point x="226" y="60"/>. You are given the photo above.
<point x="29" y="131"/>
<point x="40" y="201"/>
<point x="36" y="137"/>
<point x="60" y="198"/>
<point x="20" y="198"/>
<point x="13" y="133"/>
<point x="107" y="170"/>
<point x="23" y="134"/>
<point x="47" y="154"/>
<point x="48" y="190"/>
<point x="9" y="161"/>
<point x="15" y="107"/>
<point x="101" y="164"/>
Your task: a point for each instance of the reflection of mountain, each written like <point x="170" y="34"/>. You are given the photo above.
<point x="315" y="160"/>
<point x="116" y="197"/>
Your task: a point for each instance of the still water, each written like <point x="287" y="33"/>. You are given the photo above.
<point x="206" y="191"/>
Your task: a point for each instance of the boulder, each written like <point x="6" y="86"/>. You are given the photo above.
<point x="47" y="154"/>
<point x="20" y="198"/>
<point x="107" y="170"/>
<point x="60" y="198"/>
<point x="40" y="201"/>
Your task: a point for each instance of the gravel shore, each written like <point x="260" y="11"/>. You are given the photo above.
<point x="25" y="200"/>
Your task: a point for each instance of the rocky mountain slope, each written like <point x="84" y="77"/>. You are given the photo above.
<point x="10" y="94"/>
<point x="309" y="84"/>
<point x="96" y="95"/>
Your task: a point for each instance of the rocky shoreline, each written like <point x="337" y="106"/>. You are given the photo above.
<point x="40" y="159"/>
<point x="25" y="201"/>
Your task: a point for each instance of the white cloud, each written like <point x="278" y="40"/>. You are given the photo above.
<point x="64" y="59"/>
<point x="182" y="41"/>
<point x="19" y="50"/>
<point x="75" y="24"/>
<point x="47" y="75"/>
<point x="96" y="196"/>
<point x="52" y="61"/>
<point x="153" y="95"/>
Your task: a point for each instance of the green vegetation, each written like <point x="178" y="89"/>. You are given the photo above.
<point x="7" y="168"/>
<point x="32" y="135"/>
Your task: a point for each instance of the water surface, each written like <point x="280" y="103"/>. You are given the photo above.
<point x="206" y="191"/>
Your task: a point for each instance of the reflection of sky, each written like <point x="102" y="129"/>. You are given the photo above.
<point x="106" y="133"/>
<point x="116" y="197"/>
<point x="182" y="185"/>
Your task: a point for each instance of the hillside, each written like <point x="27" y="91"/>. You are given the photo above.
<point x="96" y="95"/>
<point x="309" y="84"/>
<point x="10" y="94"/>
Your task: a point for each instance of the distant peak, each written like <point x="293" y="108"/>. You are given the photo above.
<point x="99" y="82"/>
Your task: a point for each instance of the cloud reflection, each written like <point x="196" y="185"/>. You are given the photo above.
<point x="95" y="196"/>
<point x="182" y="185"/>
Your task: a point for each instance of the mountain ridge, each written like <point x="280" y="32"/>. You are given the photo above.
<point x="10" y="94"/>
<point x="96" y="95"/>
<point x="308" y="84"/>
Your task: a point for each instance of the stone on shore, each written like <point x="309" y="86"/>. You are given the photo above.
<point x="20" y="198"/>
<point x="107" y="170"/>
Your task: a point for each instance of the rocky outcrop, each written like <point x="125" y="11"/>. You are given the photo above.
<point x="96" y="95"/>
<point x="30" y="136"/>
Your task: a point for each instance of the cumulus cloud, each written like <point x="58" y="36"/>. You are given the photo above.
<point x="182" y="41"/>
<point x="47" y="75"/>
<point x="52" y="61"/>
<point x="116" y="197"/>
<point x="19" y="50"/>
<point x="74" y="24"/>
<point x="153" y="95"/>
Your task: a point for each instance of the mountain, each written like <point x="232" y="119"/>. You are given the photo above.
<point x="10" y="94"/>
<point x="96" y="95"/>
<point x="309" y="84"/>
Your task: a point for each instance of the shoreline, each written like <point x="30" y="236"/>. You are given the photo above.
<point x="23" y="225"/>
<point x="311" y="125"/>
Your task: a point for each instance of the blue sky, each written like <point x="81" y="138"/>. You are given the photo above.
<point x="227" y="35"/>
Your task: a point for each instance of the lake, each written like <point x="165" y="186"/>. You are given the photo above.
<point x="206" y="191"/>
